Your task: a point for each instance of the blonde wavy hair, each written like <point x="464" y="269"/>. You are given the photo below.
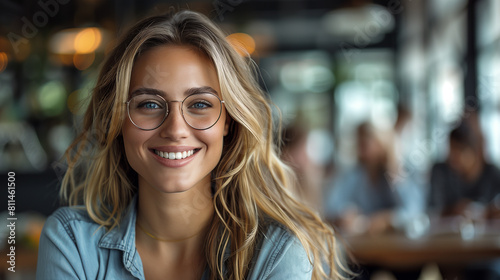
<point x="252" y="183"/>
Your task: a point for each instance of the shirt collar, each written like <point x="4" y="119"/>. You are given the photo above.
<point x="122" y="237"/>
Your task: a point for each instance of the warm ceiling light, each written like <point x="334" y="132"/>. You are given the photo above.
<point x="87" y="40"/>
<point x="76" y="40"/>
<point x="243" y="43"/>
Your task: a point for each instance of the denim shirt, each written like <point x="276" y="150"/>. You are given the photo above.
<point x="73" y="246"/>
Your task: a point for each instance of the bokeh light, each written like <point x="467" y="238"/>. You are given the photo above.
<point x="243" y="43"/>
<point x="76" y="40"/>
<point x="52" y="98"/>
<point x="87" y="40"/>
<point x="65" y="59"/>
<point x="63" y="42"/>
<point x="83" y="61"/>
<point x="76" y="47"/>
<point x="306" y="77"/>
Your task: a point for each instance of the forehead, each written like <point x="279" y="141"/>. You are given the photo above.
<point x="173" y="69"/>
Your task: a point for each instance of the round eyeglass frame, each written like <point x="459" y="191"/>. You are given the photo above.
<point x="167" y="112"/>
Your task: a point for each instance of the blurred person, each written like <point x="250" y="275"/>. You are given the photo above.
<point x="366" y="200"/>
<point x="362" y="198"/>
<point x="465" y="182"/>
<point x="176" y="176"/>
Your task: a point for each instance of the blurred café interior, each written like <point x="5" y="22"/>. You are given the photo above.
<point x="391" y="110"/>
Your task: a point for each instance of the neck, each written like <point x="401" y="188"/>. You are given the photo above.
<point x="174" y="219"/>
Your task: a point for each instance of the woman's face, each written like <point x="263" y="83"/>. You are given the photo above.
<point x="174" y="72"/>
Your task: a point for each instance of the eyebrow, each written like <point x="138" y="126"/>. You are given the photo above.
<point x="153" y="91"/>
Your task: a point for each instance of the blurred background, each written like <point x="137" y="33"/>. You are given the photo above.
<point x="391" y="110"/>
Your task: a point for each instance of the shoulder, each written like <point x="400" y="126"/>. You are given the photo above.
<point x="278" y="238"/>
<point x="492" y="172"/>
<point x="68" y="214"/>
<point x="68" y="245"/>
<point x="69" y="221"/>
<point x="441" y="167"/>
<point x="492" y="169"/>
<point x="280" y="255"/>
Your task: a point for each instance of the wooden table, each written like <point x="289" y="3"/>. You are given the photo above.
<point x="396" y="250"/>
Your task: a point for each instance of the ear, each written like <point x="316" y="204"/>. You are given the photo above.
<point x="227" y="124"/>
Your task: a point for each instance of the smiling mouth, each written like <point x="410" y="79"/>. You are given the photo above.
<point x="175" y="155"/>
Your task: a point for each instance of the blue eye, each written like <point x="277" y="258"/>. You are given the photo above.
<point x="149" y="105"/>
<point x="200" y="105"/>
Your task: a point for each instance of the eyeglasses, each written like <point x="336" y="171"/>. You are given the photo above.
<point x="200" y="110"/>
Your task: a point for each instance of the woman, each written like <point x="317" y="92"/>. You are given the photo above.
<point x="183" y="181"/>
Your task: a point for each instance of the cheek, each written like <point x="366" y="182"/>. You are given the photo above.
<point x="213" y="139"/>
<point x="133" y="140"/>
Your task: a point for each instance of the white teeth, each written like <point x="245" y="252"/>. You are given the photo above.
<point x="177" y="155"/>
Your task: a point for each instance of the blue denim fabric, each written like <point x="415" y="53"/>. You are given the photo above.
<point x="72" y="246"/>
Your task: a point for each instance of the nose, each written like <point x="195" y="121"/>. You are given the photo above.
<point x="174" y="127"/>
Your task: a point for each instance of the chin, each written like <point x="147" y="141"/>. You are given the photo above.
<point x="170" y="185"/>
